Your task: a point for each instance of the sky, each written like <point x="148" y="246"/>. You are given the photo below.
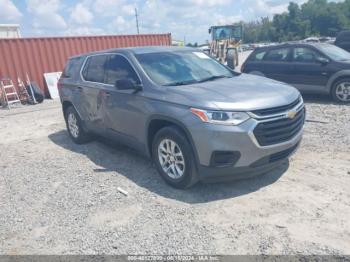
<point x="184" y="19"/>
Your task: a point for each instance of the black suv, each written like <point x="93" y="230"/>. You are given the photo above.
<point x="343" y="40"/>
<point x="312" y="68"/>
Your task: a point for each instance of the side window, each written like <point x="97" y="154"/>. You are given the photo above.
<point x="94" y="68"/>
<point x="278" y="55"/>
<point x="70" y="67"/>
<point x="118" y="67"/>
<point x="258" y="56"/>
<point x="305" y="55"/>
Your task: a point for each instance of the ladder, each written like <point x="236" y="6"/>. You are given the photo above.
<point x="23" y="93"/>
<point x="9" y="93"/>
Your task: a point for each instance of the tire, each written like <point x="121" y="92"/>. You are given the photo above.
<point x="179" y="175"/>
<point x="231" y="59"/>
<point x="77" y="133"/>
<point x="341" y="91"/>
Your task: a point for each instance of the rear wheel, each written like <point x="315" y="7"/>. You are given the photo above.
<point x="173" y="157"/>
<point x="74" y="126"/>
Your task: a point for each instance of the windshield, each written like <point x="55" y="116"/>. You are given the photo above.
<point x="335" y="52"/>
<point x="181" y="68"/>
<point x="225" y="32"/>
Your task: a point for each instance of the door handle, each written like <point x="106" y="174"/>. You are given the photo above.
<point x="324" y="73"/>
<point x="107" y="94"/>
<point x="79" y="88"/>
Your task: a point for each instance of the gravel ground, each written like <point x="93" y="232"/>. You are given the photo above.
<point x="60" y="198"/>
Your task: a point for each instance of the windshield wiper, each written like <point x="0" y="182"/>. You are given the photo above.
<point x="181" y="83"/>
<point x="213" y="78"/>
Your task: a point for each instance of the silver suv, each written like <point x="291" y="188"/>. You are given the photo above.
<point x="195" y="118"/>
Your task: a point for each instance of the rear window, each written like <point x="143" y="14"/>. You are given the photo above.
<point x="70" y="67"/>
<point x="258" y="56"/>
<point x="278" y="55"/>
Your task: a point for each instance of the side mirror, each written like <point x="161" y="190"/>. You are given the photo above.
<point x="127" y="84"/>
<point x="322" y="60"/>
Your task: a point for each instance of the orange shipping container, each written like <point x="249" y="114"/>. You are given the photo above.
<point x="36" y="56"/>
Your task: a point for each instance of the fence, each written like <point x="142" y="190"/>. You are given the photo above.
<point x="36" y="56"/>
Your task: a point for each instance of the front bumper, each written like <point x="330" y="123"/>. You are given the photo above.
<point x="253" y="158"/>
<point x="257" y="168"/>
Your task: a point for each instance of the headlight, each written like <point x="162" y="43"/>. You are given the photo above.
<point x="221" y="117"/>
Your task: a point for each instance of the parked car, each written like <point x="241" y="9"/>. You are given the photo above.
<point x="326" y="39"/>
<point x="246" y="47"/>
<point x="312" y="40"/>
<point x="195" y="118"/>
<point x="343" y="40"/>
<point x="312" y="68"/>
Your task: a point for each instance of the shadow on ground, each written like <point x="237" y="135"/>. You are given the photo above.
<point x="112" y="157"/>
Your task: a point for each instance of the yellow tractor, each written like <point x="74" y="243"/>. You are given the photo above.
<point x="225" y="41"/>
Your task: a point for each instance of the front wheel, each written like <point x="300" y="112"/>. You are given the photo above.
<point x="341" y="91"/>
<point x="173" y="157"/>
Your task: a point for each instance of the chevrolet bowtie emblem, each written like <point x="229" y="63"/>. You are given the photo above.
<point x="291" y="114"/>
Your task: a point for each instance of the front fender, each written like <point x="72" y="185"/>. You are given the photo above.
<point x="176" y="122"/>
<point x="334" y="77"/>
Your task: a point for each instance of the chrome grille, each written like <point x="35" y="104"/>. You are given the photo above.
<point x="280" y="130"/>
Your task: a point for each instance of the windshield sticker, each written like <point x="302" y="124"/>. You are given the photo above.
<point x="201" y="55"/>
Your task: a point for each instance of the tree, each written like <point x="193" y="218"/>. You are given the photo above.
<point x="313" y="18"/>
<point x="192" y="45"/>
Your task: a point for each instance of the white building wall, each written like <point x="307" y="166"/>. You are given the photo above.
<point x="9" y="31"/>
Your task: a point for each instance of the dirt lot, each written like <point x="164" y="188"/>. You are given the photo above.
<point x="58" y="198"/>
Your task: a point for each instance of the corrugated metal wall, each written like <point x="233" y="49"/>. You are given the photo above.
<point x="36" y="56"/>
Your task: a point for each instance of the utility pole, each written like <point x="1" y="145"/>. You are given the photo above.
<point x="137" y="21"/>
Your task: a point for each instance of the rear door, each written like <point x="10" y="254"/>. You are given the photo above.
<point x="273" y="63"/>
<point x="309" y="74"/>
<point x="91" y="90"/>
<point x="254" y="63"/>
<point x="277" y="64"/>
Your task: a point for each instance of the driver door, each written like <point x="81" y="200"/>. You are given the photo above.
<point x="124" y="114"/>
<point x="309" y="74"/>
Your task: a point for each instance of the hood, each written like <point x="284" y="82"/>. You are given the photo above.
<point x="242" y="93"/>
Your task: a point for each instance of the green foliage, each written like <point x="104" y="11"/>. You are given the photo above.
<point x="313" y="18"/>
<point x="192" y="45"/>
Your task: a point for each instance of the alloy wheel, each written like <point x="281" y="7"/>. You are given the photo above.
<point x="73" y="125"/>
<point x="171" y="158"/>
<point x="342" y="91"/>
